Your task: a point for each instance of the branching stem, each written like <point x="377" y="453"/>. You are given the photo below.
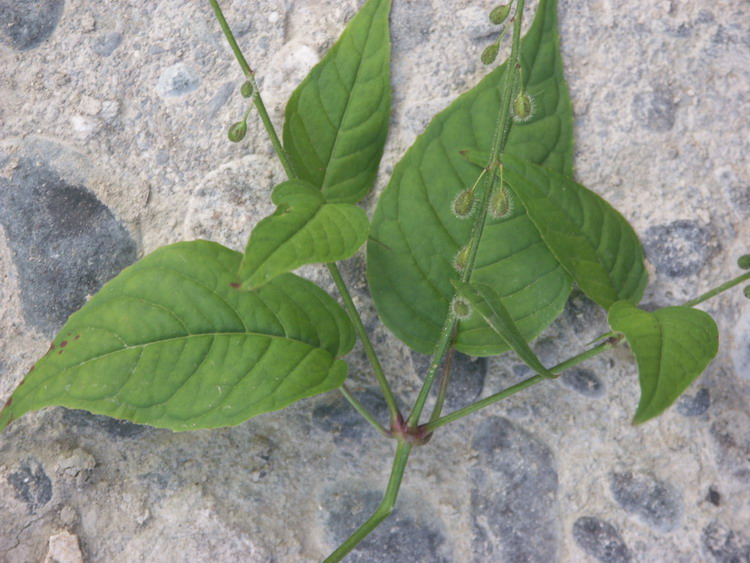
<point x="717" y="290"/>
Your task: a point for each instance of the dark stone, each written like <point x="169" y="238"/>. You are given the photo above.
<point x="601" y="540"/>
<point x="31" y="484"/>
<point x="28" y="24"/>
<point x="730" y="435"/>
<point x="655" y="502"/>
<point x="736" y="191"/>
<point x="514" y="498"/>
<point x="66" y="243"/>
<point x="584" y="381"/>
<point x="694" y="405"/>
<point x="401" y="537"/>
<point x="583" y="317"/>
<point x="106" y="43"/>
<point x="727" y="546"/>
<point x="467" y="378"/>
<point x="679" y="249"/>
<point x="113" y="427"/>
<point x="655" y="110"/>
<point x="713" y="496"/>
<point x="345" y="423"/>
<point x="177" y="80"/>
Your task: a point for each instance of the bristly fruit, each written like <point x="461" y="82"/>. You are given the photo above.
<point x="746" y="291"/>
<point x="523" y="107"/>
<point x="499" y="14"/>
<point x="246" y="89"/>
<point x="463" y="204"/>
<point x="490" y="54"/>
<point x="744" y="261"/>
<point x="237" y="131"/>
<point x="461" y="308"/>
<point x="501" y="203"/>
<point x="459" y="262"/>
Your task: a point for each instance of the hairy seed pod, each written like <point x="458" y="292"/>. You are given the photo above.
<point x="461" y="308"/>
<point x="744" y="262"/>
<point x="501" y="203"/>
<point x="463" y="205"/>
<point x="237" y="131"/>
<point x="459" y="262"/>
<point x="523" y="107"/>
<point x="746" y="291"/>
<point x="246" y="89"/>
<point x="490" y="54"/>
<point x="499" y="14"/>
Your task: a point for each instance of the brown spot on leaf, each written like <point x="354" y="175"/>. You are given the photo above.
<point x="8" y="402"/>
<point x="77" y="337"/>
<point x="235" y="285"/>
<point x="63" y="344"/>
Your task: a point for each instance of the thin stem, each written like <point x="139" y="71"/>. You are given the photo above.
<point x="443" y="389"/>
<point x="361" y="409"/>
<point x="559" y="368"/>
<point x="500" y="138"/>
<point x="715" y="291"/>
<point x="250" y="75"/>
<point x="365" y="339"/>
<point x="384" y="508"/>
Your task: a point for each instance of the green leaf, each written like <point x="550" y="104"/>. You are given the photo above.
<point x="172" y="343"/>
<point x="414" y="237"/>
<point x="593" y="242"/>
<point x="672" y="347"/>
<point x="303" y="230"/>
<point x="337" y="119"/>
<point x="490" y="305"/>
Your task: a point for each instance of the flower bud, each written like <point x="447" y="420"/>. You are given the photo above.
<point x="501" y="203"/>
<point x="463" y="204"/>
<point x="237" y="131"/>
<point x="490" y="54"/>
<point x="246" y="89"/>
<point x="499" y="14"/>
<point x="744" y="262"/>
<point x="523" y="107"/>
<point x="461" y="308"/>
<point x="459" y="262"/>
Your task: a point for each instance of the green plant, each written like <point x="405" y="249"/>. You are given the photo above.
<point x="474" y="246"/>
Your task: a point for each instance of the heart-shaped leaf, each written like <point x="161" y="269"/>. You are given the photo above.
<point x="672" y="347"/>
<point x="414" y="236"/>
<point x="337" y="119"/>
<point x="593" y="242"/>
<point x="303" y="230"/>
<point x="489" y="304"/>
<point x="171" y="342"/>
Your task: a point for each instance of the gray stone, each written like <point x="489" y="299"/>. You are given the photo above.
<point x="220" y="98"/>
<point x="177" y="80"/>
<point x="679" y="249"/>
<point x="467" y="378"/>
<point x="584" y="381"/>
<point x="730" y="435"/>
<point x="31" y="484"/>
<point x="657" y="503"/>
<point x="403" y="537"/>
<point x="80" y="421"/>
<point x="725" y="545"/>
<point x="514" y="508"/>
<point x="695" y="404"/>
<point x="411" y="23"/>
<point x="66" y="243"/>
<point x="106" y="43"/>
<point x="338" y="417"/>
<point x="601" y="540"/>
<point x="655" y="110"/>
<point x="27" y="24"/>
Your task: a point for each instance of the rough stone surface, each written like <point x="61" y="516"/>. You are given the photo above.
<point x="654" y="501"/>
<point x="601" y="540"/>
<point x="124" y="108"/>
<point x="514" y="499"/>
<point x="66" y="242"/>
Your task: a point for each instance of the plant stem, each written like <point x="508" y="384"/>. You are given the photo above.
<point x="250" y="75"/>
<point x="498" y="144"/>
<point x="384" y="508"/>
<point x="365" y="339"/>
<point x="715" y="291"/>
<point x="559" y="368"/>
<point x="443" y="389"/>
<point x="361" y="409"/>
